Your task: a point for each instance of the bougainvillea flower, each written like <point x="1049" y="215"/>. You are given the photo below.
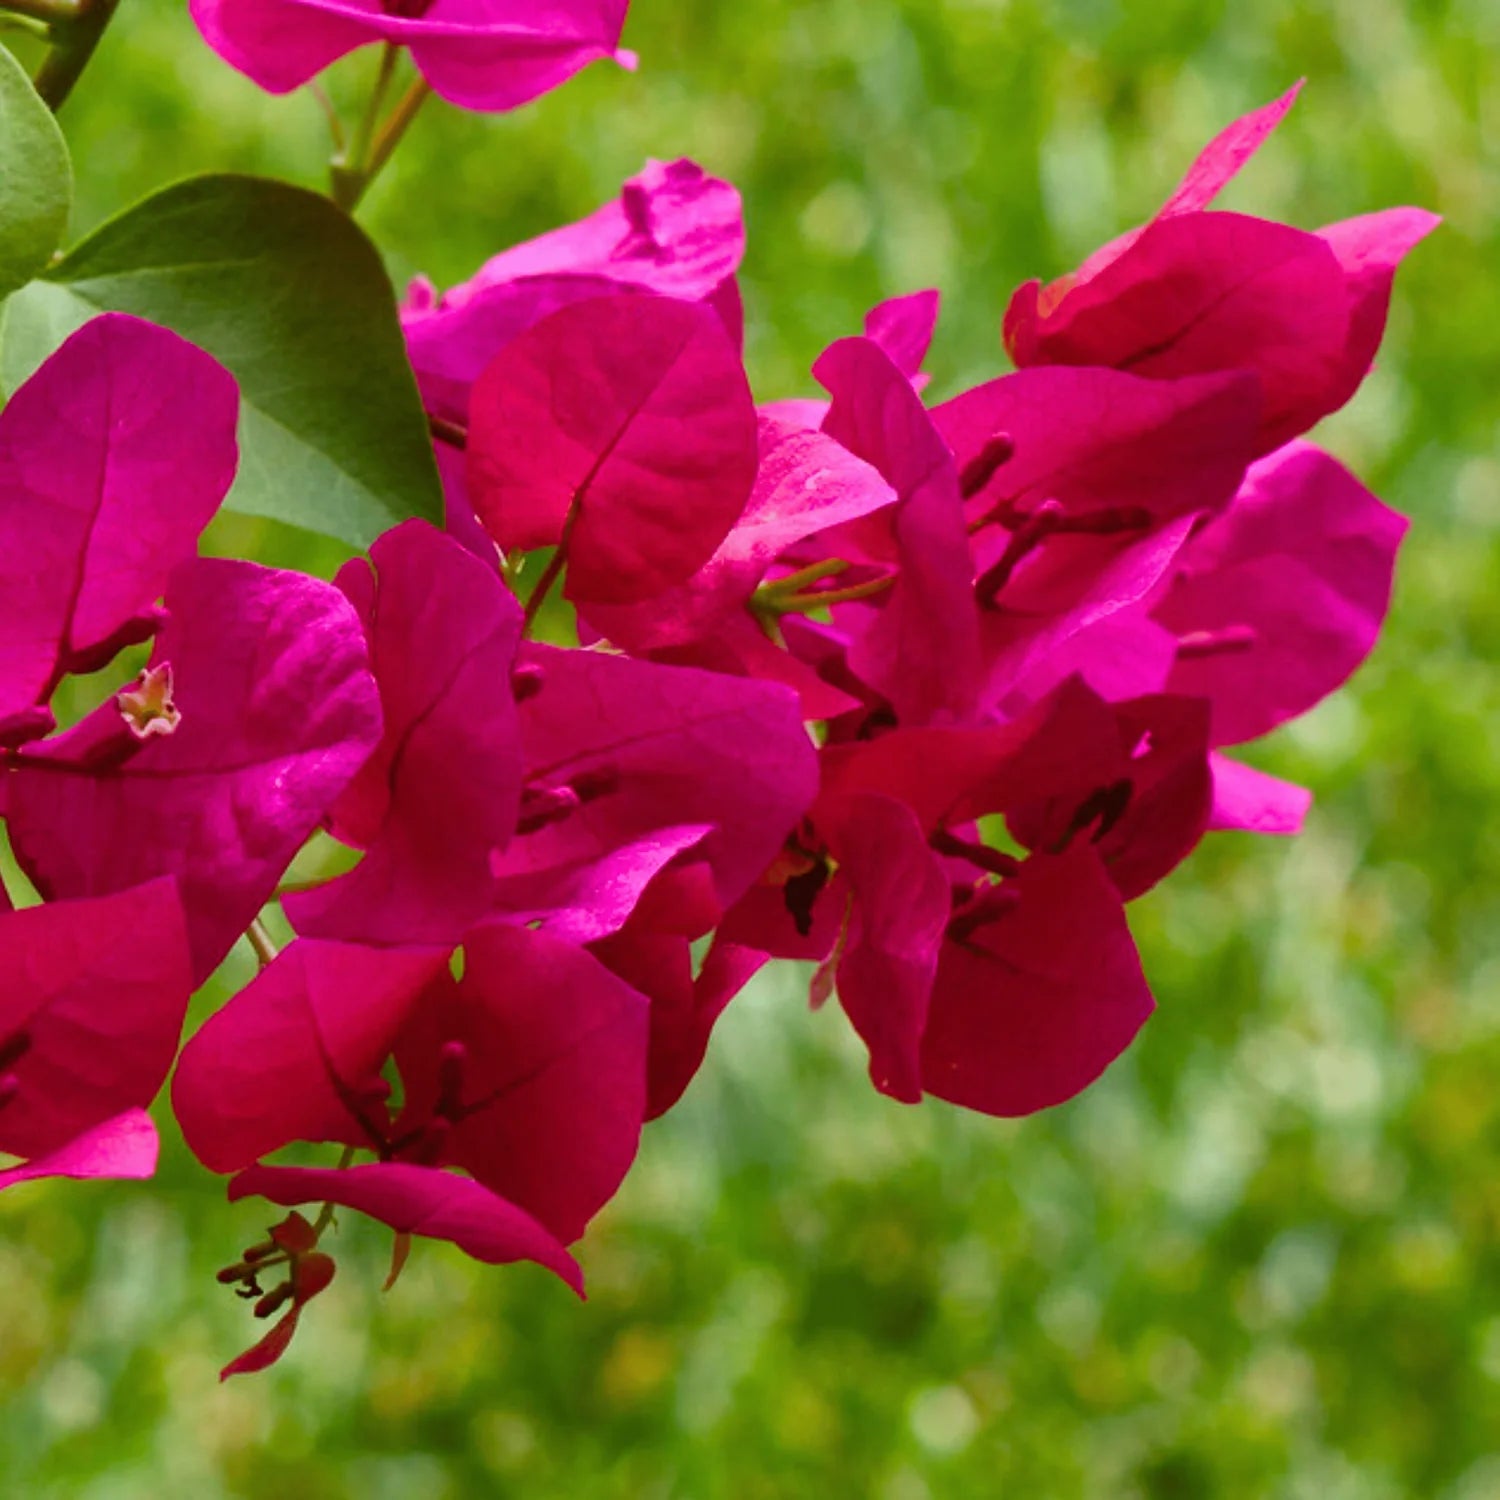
<point x="1281" y="597"/>
<point x="479" y="54"/>
<point x="920" y="648"/>
<point x="898" y="906"/>
<point x="113" y="457"/>
<point x="293" y="1055"/>
<point x="90" y="1015"/>
<point x="441" y="793"/>
<point x="1030" y="1008"/>
<point x="124" y="1148"/>
<point x="419" y="1200"/>
<point x="1109" y="795"/>
<point x="806" y="482"/>
<point x="673" y="230"/>
<point x="1096" y="441"/>
<point x="617" y="750"/>
<point x="277" y="712"/>
<point x="292" y="1242"/>
<point x="529" y="1072"/>
<point x="639" y="447"/>
<point x="1151" y="816"/>
<point x="1197" y="291"/>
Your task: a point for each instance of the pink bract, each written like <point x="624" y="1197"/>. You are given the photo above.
<point x="625" y="750"/>
<point x="1280" y="598"/>
<point x="1196" y="291"/>
<point x="639" y="446"/>
<point x="278" y="712"/>
<point x="419" y="1200"/>
<point x="919" y="645"/>
<point x="674" y="230"/>
<point x="480" y="54"/>
<point x="113" y="457"/>
<point x="440" y="795"/>
<point x="122" y="1148"/>
<point x="90" y="1018"/>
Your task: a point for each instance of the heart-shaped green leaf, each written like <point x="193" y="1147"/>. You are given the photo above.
<point x="36" y="182"/>
<point x="286" y="291"/>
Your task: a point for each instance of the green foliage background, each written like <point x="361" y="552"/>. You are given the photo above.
<point x="1260" y="1259"/>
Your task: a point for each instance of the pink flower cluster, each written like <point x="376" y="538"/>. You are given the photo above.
<point x="923" y="695"/>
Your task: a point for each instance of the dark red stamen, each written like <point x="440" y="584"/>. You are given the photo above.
<point x="997" y="451"/>
<point x="1028" y="535"/>
<point x="989" y="904"/>
<point x="1049" y="520"/>
<point x="1106" y="807"/>
<point x="981" y="856"/>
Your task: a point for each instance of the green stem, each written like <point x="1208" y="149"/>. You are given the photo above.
<point x="801" y="604"/>
<point x="395" y="127"/>
<point x="26" y="27"/>
<point x="370" y="149"/>
<point x="260" y="940"/>
<point x="325" y="1214"/>
<point x="50" y="12"/>
<point x="74" y="37"/>
<point x="792" y="583"/>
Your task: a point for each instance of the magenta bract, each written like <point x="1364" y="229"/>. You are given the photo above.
<point x="1196" y="291"/>
<point x="122" y="1148"/>
<point x="90" y="1017"/>
<point x="1032" y="1007"/>
<point x="674" y="230"/>
<point x="440" y="795"/>
<point x="618" y="751"/>
<point x="805" y="483"/>
<point x="541" y="1102"/>
<point x="296" y="1055"/>
<point x="480" y="54"/>
<point x="278" y="711"/>
<point x="113" y="457"/>
<point x="639" y="443"/>
<point x="1279" y="599"/>
<point x="920" y="650"/>
<point x="419" y="1200"/>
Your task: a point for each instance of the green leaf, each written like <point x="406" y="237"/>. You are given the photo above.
<point x="36" y="182"/>
<point x="287" y="292"/>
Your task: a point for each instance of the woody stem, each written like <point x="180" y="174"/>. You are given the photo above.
<point x="74" y="30"/>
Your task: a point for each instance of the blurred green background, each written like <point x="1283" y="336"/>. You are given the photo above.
<point x="1262" y="1258"/>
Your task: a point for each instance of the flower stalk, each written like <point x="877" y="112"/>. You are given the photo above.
<point x="74" y="28"/>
